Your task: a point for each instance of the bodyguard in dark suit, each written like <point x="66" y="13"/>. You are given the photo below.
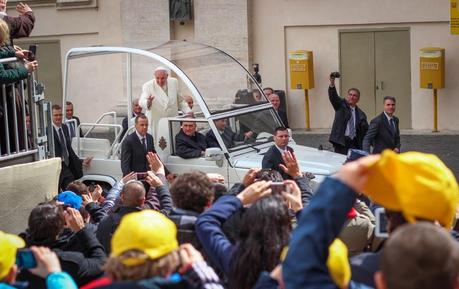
<point x="189" y="143"/>
<point x="72" y="167"/>
<point x="350" y="124"/>
<point x="136" y="146"/>
<point x="71" y="124"/>
<point x="273" y="157"/>
<point x="275" y="101"/>
<point x="136" y="110"/>
<point x="384" y="132"/>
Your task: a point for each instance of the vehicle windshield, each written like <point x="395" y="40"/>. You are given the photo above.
<point x="222" y="82"/>
<point x="247" y="130"/>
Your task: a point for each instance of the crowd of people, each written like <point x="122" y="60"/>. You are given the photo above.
<point x="271" y="230"/>
<point x="13" y="105"/>
<point x="265" y="232"/>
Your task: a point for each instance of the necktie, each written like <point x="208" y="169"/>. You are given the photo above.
<point x="72" y="129"/>
<point x="144" y="143"/>
<point x="392" y="125"/>
<point x="351" y="125"/>
<point x="65" y="153"/>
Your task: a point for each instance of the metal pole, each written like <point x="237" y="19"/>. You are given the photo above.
<point x="5" y="115"/>
<point x="24" y="115"/>
<point x="435" y="110"/>
<point x="15" y="118"/>
<point x="306" y="108"/>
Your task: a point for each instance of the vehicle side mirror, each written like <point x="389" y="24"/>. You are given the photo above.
<point x="214" y="154"/>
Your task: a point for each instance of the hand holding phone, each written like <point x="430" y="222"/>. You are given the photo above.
<point x="277" y="188"/>
<point x="25" y="259"/>
<point x="32" y="52"/>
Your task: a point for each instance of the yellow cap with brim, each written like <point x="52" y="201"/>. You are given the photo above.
<point x="9" y="245"/>
<point x="418" y="185"/>
<point x="147" y="231"/>
<point x="338" y="263"/>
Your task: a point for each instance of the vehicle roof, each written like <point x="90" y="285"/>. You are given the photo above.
<point x="213" y="77"/>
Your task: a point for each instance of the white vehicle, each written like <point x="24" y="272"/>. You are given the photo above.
<point x="221" y="88"/>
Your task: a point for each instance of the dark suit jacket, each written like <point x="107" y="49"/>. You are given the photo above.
<point x="342" y="116"/>
<point x="228" y="136"/>
<point x="380" y="135"/>
<point x="272" y="159"/>
<point x="75" y="165"/>
<point x="283" y="116"/>
<point x="77" y="124"/>
<point x="133" y="154"/>
<point x="189" y="147"/>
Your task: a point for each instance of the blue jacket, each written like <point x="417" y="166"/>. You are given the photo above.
<point x="319" y="224"/>
<point x="58" y="280"/>
<point x="210" y="233"/>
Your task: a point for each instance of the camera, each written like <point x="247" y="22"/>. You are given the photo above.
<point x="381" y="223"/>
<point x="335" y="74"/>
<point x="141" y="176"/>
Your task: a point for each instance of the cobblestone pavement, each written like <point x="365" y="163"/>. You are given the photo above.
<point x="444" y="145"/>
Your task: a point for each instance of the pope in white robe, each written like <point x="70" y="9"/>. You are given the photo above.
<point x="161" y="98"/>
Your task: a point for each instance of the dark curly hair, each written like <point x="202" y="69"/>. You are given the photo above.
<point x="192" y="191"/>
<point x="265" y="231"/>
<point x="46" y="222"/>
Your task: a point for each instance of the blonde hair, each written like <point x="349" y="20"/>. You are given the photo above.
<point x="161" y="267"/>
<point x="4" y="32"/>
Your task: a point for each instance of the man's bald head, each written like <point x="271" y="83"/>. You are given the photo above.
<point x="133" y="194"/>
<point x="189" y="100"/>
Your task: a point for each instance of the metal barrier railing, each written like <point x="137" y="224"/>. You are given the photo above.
<point x="24" y="118"/>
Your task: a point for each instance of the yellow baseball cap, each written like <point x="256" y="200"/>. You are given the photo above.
<point x="147" y="231"/>
<point x="417" y="184"/>
<point x="338" y="263"/>
<point x="9" y="245"/>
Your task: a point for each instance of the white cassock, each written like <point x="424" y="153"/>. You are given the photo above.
<point x="164" y="104"/>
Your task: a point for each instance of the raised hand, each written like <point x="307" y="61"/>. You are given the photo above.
<point x="293" y="196"/>
<point x="290" y="165"/>
<point x="254" y="192"/>
<point x="155" y="163"/>
<point x="249" y="177"/>
<point x="153" y="180"/>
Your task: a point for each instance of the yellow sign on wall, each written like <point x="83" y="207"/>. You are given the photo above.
<point x="454" y="17"/>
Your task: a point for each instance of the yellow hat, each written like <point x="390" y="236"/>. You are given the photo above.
<point x="417" y="184"/>
<point x="148" y="231"/>
<point x="9" y="245"/>
<point x="338" y="263"/>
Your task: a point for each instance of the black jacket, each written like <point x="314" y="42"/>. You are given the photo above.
<point x="283" y="116"/>
<point x="77" y="124"/>
<point x="84" y="265"/>
<point x="190" y="147"/>
<point x="108" y="225"/>
<point x="272" y="159"/>
<point x="133" y="154"/>
<point x="342" y="116"/>
<point x="75" y="164"/>
<point x="380" y="135"/>
<point x="229" y="138"/>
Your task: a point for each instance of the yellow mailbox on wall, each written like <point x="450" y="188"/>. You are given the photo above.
<point x="432" y="67"/>
<point x="301" y="69"/>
